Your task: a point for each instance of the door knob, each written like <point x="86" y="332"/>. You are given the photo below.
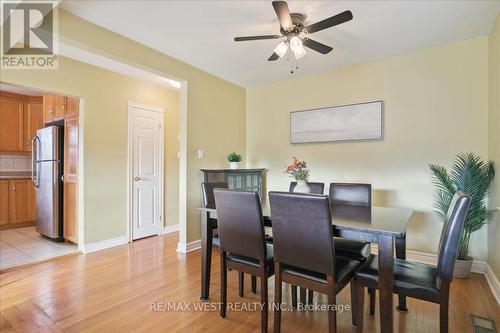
<point x="137" y="178"/>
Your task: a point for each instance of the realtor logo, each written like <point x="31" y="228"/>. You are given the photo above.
<point x="29" y="35"/>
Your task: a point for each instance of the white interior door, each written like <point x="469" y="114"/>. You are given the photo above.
<point x="147" y="171"/>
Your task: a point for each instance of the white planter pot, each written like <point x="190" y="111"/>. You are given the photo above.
<point x="302" y="187"/>
<point x="234" y="165"/>
<point x="462" y="268"/>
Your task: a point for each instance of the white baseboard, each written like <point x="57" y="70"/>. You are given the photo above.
<point x="170" y="228"/>
<point x="493" y="283"/>
<point x="189" y="247"/>
<point x="105" y="244"/>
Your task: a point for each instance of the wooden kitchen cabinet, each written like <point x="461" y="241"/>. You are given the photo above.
<point x="32" y="201"/>
<point x="48" y="108"/>
<point x="4" y="202"/>
<point x="70" y="192"/>
<point x="72" y="106"/>
<point x="11" y="123"/>
<point x="20" y="201"/>
<point x="33" y="120"/>
<point x="59" y="106"/>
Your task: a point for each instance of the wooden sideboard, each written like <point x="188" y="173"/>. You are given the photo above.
<point x="241" y="179"/>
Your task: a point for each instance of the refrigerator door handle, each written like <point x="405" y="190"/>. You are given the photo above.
<point x="34" y="164"/>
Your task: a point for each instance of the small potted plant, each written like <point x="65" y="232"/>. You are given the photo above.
<point x="298" y="170"/>
<point x="234" y="160"/>
<point x="473" y="176"/>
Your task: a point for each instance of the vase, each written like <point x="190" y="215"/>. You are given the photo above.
<point x="302" y="187"/>
<point x="462" y="268"/>
<point x="234" y="165"/>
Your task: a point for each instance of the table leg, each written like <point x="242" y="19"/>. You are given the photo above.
<point x="206" y="255"/>
<point x="386" y="280"/>
<point x="401" y="254"/>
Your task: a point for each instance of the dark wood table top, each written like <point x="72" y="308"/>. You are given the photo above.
<point x="375" y="220"/>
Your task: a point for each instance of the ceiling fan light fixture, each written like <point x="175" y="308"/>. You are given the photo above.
<point x="299" y="52"/>
<point x="295" y="43"/>
<point x="281" y="49"/>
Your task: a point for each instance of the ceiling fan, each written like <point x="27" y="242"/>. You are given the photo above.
<point x="292" y="27"/>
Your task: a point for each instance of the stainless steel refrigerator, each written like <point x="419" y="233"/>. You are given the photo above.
<point x="46" y="156"/>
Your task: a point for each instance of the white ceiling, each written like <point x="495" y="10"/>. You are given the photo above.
<point x="201" y="33"/>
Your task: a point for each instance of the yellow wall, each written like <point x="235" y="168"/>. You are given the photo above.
<point x="494" y="144"/>
<point x="436" y="106"/>
<point x="215" y="123"/>
<point x="105" y="96"/>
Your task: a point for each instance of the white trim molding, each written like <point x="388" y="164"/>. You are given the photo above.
<point x="168" y="229"/>
<point x="189" y="247"/>
<point x="493" y="283"/>
<point x="105" y="244"/>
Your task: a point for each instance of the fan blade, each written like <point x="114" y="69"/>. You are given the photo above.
<point x="330" y="22"/>
<point x="273" y="57"/>
<point x="242" y="39"/>
<point x="316" y="46"/>
<point x="281" y="9"/>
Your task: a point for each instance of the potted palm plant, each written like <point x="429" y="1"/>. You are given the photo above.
<point x="473" y="176"/>
<point x="234" y="160"/>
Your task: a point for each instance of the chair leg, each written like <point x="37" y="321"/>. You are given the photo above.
<point x="294" y="295"/>
<point x="241" y="284"/>
<point x="303" y="296"/>
<point x="310" y="296"/>
<point x="444" y="297"/>
<point x="354" y="304"/>
<point x="360" y="300"/>
<point x="254" y="284"/>
<point x="277" y="297"/>
<point x="372" y="292"/>
<point x="263" y="300"/>
<point x="223" y="284"/>
<point x="332" y="313"/>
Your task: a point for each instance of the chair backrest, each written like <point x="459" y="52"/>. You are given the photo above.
<point x="316" y="188"/>
<point x="351" y="194"/>
<point x="302" y="231"/>
<point x="240" y="223"/>
<point x="450" y="235"/>
<point x="207" y="189"/>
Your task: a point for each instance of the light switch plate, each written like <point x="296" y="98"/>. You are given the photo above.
<point x="200" y="154"/>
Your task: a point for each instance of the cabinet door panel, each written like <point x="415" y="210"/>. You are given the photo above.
<point x="48" y="108"/>
<point x="19" y="197"/>
<point x="72" y="106"/>
<point x="70" y="209"/>
<point x="59" y="106"/>
<point x="4" y="202"/>
<point x="33" y="120"/>
<point x="11" y="124"/>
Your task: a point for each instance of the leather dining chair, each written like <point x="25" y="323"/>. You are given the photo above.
<point x="209" y="201"/>
<point x="315" y="188"/>
<point x="243" y="246"/>
<point x="304" y="251"/>
<point x="353" y="194"/>
<point x="421" y="281"/>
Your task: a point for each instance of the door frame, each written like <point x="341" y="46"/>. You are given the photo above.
<point x="131" y="106"/>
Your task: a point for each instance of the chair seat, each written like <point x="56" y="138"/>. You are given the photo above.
<point x="344" y="269"/>
<point x="351" y="249"/>
<point x="254" y="262"/>
<point x="410" y="278"/>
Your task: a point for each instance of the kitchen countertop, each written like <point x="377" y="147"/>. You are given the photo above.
<point x="15" y="174"/>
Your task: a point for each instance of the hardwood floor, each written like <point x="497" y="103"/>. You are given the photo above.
<point x="113" y="290"/>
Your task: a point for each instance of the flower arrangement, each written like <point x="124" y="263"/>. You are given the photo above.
<point x="297" y="170"/>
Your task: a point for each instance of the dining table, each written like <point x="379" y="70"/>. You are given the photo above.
<point x="385" y="226"/>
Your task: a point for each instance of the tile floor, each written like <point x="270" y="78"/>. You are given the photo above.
<point x="24" y="246"/>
